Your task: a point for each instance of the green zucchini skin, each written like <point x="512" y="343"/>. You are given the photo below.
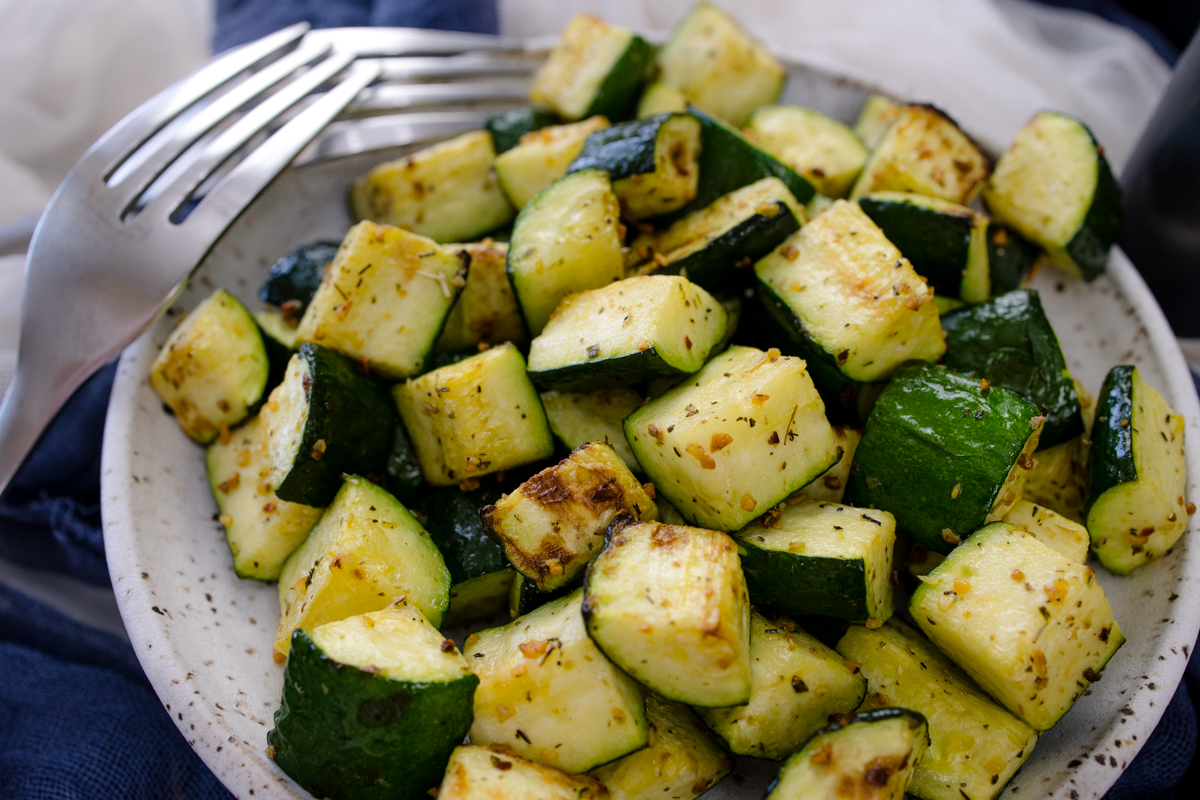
<point x="341" y="732"/>
<point x="623" y="150"/>
<point x="714" y="267"/>
<point x="796" y="584"/>
<point x="1090" y="245"/>
<point x="1010" y="257"/>
<point x="936" y="243"/>
<point x="297" y="275"/>
<point x="617" y="96"/>
<point x="1112" y="443"/>
<point x="729" y="161"/>
<point x="402" y="475"/>
<point x="642" y="365"/>
<point x="508" y="128"/>
<point x="278" y="356"/>
<point x="937" y="452"/>
<point x="452" y="518"/>
<point x="1009" y="341"/>
<point x="354" y="416"/>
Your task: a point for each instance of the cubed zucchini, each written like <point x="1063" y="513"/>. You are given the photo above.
<point x="638" y="329"/>
<point x="681" y="761"/>
<point x="326" y="419"/>
<point x="359" y="691"/>
<point x="877" y="114"/>
<point x="1010" y="258"/>
<point x="507" y="129"/>
<point x="594" y="69"/>
<point x="447" y="192"/>
<point x="542" y="157"/>
<point x="385" y="299"/>
<point x="715" y="246"/>
<point x="946" y="243"/>
<point x="554" y="523"/>
<point x="577" y="418"/>
<point x="366" y="551"/>
<point x="547" y="692"/>
<point x="1059" y="479"/>
<point x="279" y="343"/>
<point x="486" y="311"/>
<point x="651" y="162"/>
<point x="1030" y="625"/>
<point x="943" y="455"/>
<point x="567" y="239"/>
<point x="768" y="437"/>
<point x="718" y="66"/>
<point x="294" y="279"/>
<point x="1055" y="187"/>
<point x="925" y="152"/>
<point x="796" y="684"/>
<point x="261" y="530"/>
<point x="820" y="148"/>
<point x="1009" y="342"/>
<point x="870" y="755"/>
<point x="668" y="605"/>
<point x="1137" y="498"/>
<point x="212" y="370"/>
<point x="1064" y="535"/>
<point x="475" y="417"/>
<point x="975" y="745"/>
<point x="830" y="487"/>
<point x="849" y="303"/>
<point x="497" y="773"/>
<point x="659" y="98"/>
<point x="821" y="558"/>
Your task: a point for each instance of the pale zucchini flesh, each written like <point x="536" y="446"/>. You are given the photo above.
<point x="542" y="157"/>
<point x="497" y="773"/>
<point x="659" y="98"/>
<point x="874" y="118"/>
<point x="830" y="487"/>
<point x="486" y="311"/>
<point x="1059" y="478"/>
<point x="1064" y="535"/>
<point x="820" y="148"/>
<point x="595" y="68"/>
<point x="577" y="418"/>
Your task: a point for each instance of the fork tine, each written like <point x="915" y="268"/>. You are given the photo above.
<point x="352" y="137"/>
<point x="137" y="179"/>
<point x="244" y="183"/>
<point x="417" y="67"/>
<point x="182" y="178"/>
<point x="107" y="154"/>
<point x="388" y="97"/>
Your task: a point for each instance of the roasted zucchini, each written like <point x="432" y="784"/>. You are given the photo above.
<point x="486" y="311"/>
<point x="294" y="279"/>
<point x="497" y="773"/>
<point x="1062" y="534"/>
<point x="507" y="129"/>
<point x="877" y="114"/>
<point x="820" y="148"/>
<point x="542" y="157"/>
<point x="577" y="418"/>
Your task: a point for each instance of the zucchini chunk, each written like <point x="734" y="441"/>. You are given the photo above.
<point x="486" y="311"/>
<point x="1010" y="258"/>
<point x="507" y="129"/>
<point x="542" y="663"/>
<point x="668" y="605"/>
<point x="577" y="418"/>
<point x="496" y="773"/>
<point x="975" y="747"/>
<point x="261" y="530"/>
<point x="681" y="761"/>
<point x="359" y="691"/>
<point x="849" y="303"/>
<point x="387" y="295"/>
<point x="1055" y="187"/>
<point x="821" y="558"/>
<point x="325" y="420"/>
<point x="878" y="113"/>
<point x="366" y="550"/>
<point x="659" y="98"/>
<point x="279" y="343"/>
<point x="567" y="239"/>
<point x="718" y="66"/>
<point x="447" y="192"/>
<point x="554" y="523"/>
<point x="524" y="595"/>
<point x="594" y="69"/>
<point x="1059" y="479"/>
<point x="1009" y="342"/>
<point x="1030" y="625"/>
<point x="713" y="246"/>
<point x="925" y="152"/>
<point x="830" y="487"/>
<point x="474" y="417"/>
<point x="294" y="279"/>
<point x="820" y="148"/>
<point x="942" y="455"/>
<point x="213" y="368"/>
<point x="542" y="157"/>
<point x="638" y="329"/>
<point x="1136" y="498"/>
<point x="946" y="243"/>
<point x="768" y="438"/>
<point x="651" y="162"/>
<point x="870" y="755"/>
<point x="1064" y="535"/>
<point x="796" y="684"/>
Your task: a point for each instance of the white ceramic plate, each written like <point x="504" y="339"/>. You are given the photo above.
<point x="205" y="637"/>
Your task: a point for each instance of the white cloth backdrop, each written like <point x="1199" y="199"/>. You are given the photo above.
<point x="69" y="69"/>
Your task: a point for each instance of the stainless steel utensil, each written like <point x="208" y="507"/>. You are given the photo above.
<point x="145" y="204"/>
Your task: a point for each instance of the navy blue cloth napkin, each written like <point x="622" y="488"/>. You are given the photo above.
<point x="78" y="718"/>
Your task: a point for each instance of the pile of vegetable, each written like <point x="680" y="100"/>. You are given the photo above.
<point x="736" y="381"/>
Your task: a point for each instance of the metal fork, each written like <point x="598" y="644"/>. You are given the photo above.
<point x="146" y="203"/>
